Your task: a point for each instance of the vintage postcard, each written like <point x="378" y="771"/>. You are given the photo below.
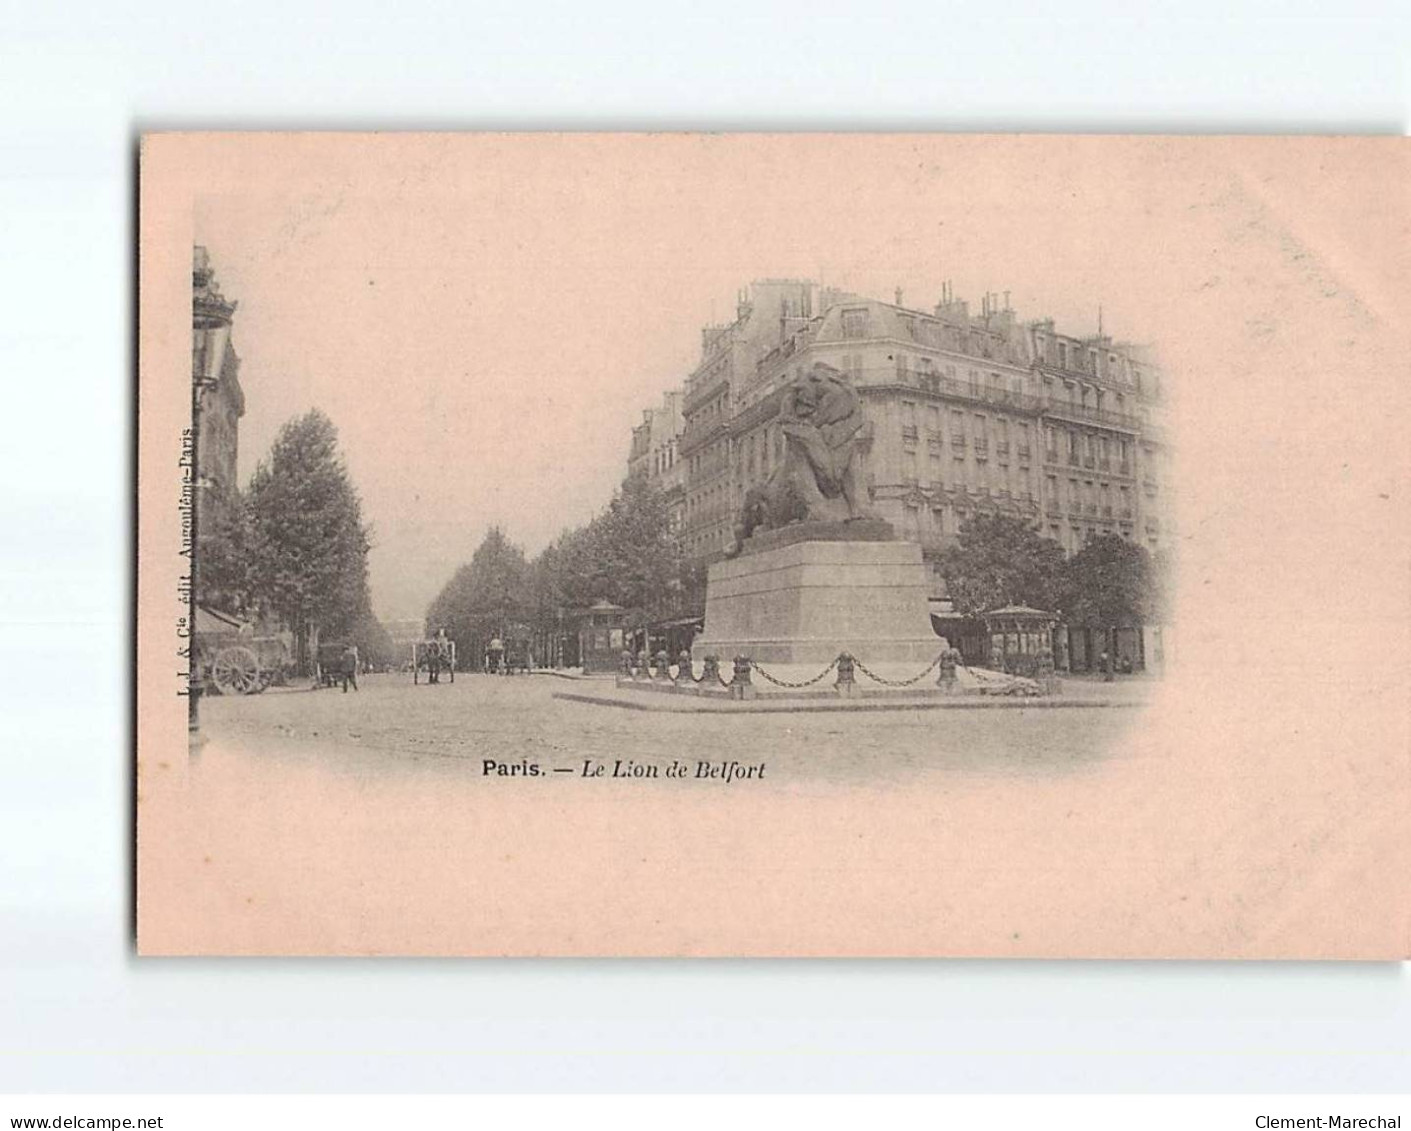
<point x="773" y="545"/>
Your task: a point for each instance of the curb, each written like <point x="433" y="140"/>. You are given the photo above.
<point x="688" y="706"/>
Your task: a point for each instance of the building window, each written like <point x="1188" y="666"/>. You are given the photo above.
<point x="855" y="323"/>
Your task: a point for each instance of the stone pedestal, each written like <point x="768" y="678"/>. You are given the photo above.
<point x="803" y="602"/>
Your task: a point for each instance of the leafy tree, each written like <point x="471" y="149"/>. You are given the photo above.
<point x="1109" y="584"/>
<point x="223" y="575"/>
<point x="637" y="561"/>
<point x="627" y="554"/>
<point x="1001" y="560"/>
<point x="375" y="644"/>
<point x="306" y="542"/>
<point x="487" y="597"/>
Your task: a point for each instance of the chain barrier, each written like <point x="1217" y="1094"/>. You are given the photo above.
<point x="899" y="682"/>
<point x="785" y="683"/>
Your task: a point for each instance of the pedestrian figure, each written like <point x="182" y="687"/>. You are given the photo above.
<point x="1105" y="660"/>
<point x="350" y="667"/>
<point x="437" y="654"/>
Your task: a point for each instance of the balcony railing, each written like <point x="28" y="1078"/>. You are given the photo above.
<point x="982" y="449"/>
<point x="957" y="441"/>
<point x="1002" y="448"/>
<point x="1107" y="511"/>
<point x="878" y="378"/>
<point x="1127" y="513"/>
<point x="909" y="433"/>
<point x="1023" y="451"/>
<point x="950" y="387"/>
<point x="1056" y="406"/>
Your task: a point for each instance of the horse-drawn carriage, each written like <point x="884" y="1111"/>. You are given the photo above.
<point x="336" y="661"/>
<point x="507" y="656"/>
<point x="433" y="657"/>
<point x="232" y="660"/>
<point x="517" y="657"/>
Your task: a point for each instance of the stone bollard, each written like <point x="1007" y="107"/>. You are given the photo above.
<point x="946" y="680"/>
<point x="710" y="672"/>
<point x="683" y="667"/>
<point x="740" y="685"/>
<point x="663" y="674"/>
<point x="846" y="684"/>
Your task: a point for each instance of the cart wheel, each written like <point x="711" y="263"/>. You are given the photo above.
<point x="236" y="671"/>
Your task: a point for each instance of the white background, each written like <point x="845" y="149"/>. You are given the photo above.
<point x="78" y="1012"/>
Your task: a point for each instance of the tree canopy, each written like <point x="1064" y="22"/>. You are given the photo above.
<point x="1109" y="583"/>
<point x="485" y="598"/>
<point x="305" y="542"/>
<point x="1001" y="560"/>
<point x="627" y="554"/>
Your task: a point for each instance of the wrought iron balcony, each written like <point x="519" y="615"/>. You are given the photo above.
<point x="909" y="433"/>
<point x="1056" y="406"/>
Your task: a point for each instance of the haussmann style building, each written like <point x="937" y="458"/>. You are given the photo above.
<point x="968" y="413"/>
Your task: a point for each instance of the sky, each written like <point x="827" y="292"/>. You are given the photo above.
<point x="484" y="318"/>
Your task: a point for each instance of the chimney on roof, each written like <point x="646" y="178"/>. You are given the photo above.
<point x="898" y="296"/>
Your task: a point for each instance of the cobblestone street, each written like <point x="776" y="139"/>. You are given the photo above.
<point x="391" y="726"/>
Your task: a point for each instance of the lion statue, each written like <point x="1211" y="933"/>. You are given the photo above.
<point x="821" y="418"/>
